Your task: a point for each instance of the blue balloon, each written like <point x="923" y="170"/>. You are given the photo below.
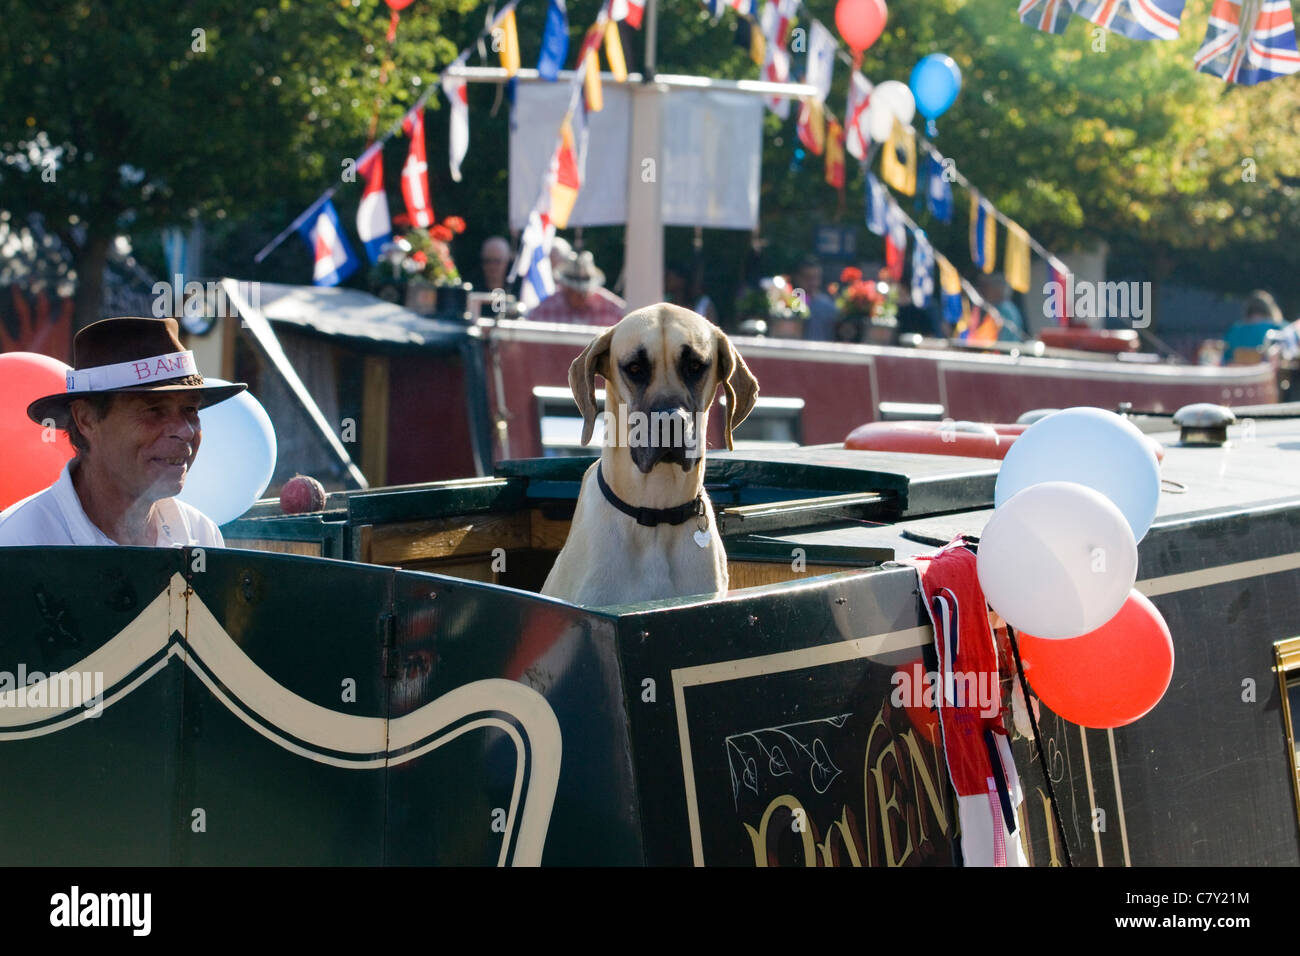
<point x="1091" y="447"/>
<point x="935" y="82"/>
<point x="236" y="458"/>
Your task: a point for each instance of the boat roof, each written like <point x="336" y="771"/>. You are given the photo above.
<point x="359" y="316"/>
<point x="1257" y="468"/>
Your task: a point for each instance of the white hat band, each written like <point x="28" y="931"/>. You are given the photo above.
<point x="125" y="374"/>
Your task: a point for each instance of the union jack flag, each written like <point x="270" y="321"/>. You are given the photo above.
<point x="1050" y="16"/>
<point x="1135" y="19"/>
<point x="1264" y="50"/>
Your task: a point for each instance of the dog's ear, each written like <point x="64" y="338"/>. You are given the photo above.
<point x="738" y="381"/>
<point x="593" y="361"/>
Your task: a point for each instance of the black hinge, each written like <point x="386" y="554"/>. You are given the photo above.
<point x="388" y="636"/>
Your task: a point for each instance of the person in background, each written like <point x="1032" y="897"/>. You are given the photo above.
<point x="994" y="290"/>
<point x="560" y="253"/>
<point x="495" y="258"/>
<point x="580" y="296"/>
<point x="1248" y="336"/>
<point x="823" y="316"/>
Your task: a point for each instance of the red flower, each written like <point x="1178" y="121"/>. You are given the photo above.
<point x="850" y="274"/>
<point x="455" y="224"/>
<point x="441" y="233"/>
<point x="419" y="257"/>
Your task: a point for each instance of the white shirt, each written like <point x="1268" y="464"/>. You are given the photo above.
<point x="55" y="517"/>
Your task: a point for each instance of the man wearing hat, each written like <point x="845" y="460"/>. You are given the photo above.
<point x="131" y="410"/>
<point x="581" y="297"/>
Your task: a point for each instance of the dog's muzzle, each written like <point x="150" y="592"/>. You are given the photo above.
<point x="671" y="434"/>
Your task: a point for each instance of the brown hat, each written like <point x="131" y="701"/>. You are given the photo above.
<point x="128" y="355"/>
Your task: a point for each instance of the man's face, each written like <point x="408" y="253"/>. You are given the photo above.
<point x="146" y="442"/>
<point x="495" y="259"/>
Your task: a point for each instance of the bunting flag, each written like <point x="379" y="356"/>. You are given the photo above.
<point x="457" y="92"/>
<point x="922" y="269"/>
<point x="415" y="174"/>
<point x="757" y="45"/>
<point x="614" y="52"/>
<point x="857" y="136"/>
<point x="983" y="236"/>
<point x="834" y="153"/>
<point x="877" y="205"/>
<point x="1135" y="19"/>
<point x="1249" y="46"/>
<point x="938" y="193"/>
<point x="555" y="41"/>
<point x="776" y="19"/>
<point x="629" y="10"/>
<point x="373" y="224"/>
<point x="895" y="241"/>
<point x="334" y="259"/>
<point x="812" y="126"/>
<point x="820" y="68"/>
<point x="533" y="264"/>
<point x="509" y="42"/>
<point x="777" y="70"/>
<point x="1050" y="16"/>
<point x="950" y="289"/>
<point x="564" y="177"/>
<point x="898" y="159"/>
<point x="590" y="58"/>
<point x="1060" y="291"/>
<point x="1016" y="265"/>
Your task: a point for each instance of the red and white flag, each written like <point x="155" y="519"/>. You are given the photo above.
<point x="457" y="91"/>
<point x="629" y="10"/>
<point x="857" y="138"/>
<point x="373" y="223"/>
<point x="415" y="174"/>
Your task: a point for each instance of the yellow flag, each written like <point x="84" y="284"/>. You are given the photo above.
<point x="898" y="163"/>
<point x="614" y="52"/>
<point x="1017" y="258"/>
<point x="509" y="41"/>
<point x="757" y="45"/>
<point x="591" y="83"/>
<point x="949" y="280"/>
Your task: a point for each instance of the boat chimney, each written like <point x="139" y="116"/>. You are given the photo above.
<point x="1204" y="424"/>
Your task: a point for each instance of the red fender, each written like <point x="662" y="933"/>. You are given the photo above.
<point x="962" y="439"/>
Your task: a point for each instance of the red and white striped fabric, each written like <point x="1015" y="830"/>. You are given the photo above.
<point x="629" y="10"/>
<point x="974" y="740"/>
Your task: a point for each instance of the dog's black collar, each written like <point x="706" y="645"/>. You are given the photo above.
<point x="652" y="516"/>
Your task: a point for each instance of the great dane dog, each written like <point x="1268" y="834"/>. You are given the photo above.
<point x="644" y="527"/>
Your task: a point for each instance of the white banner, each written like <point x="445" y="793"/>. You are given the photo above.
<point x="712" y="159"/>
<point x="711" y="165"/>
<point x="539" y="110"/>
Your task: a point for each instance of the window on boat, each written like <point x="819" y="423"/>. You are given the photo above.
<point x="1288" y="675"/>
<point x="774" y="423"/>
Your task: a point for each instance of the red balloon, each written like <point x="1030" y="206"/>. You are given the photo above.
<point x="396" y="5"/>
<point x="30" y="462"/>
<point x="1108" y="677"/>
<point x="860" y="22"/>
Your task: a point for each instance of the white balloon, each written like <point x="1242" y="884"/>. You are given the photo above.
<point x="1057" y="560"/>
<point x="889" y="100"/>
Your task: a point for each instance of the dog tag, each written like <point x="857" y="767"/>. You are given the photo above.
<point x="702" y="538"/>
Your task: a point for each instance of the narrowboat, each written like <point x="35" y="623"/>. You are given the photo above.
<point x="381" y="683"/>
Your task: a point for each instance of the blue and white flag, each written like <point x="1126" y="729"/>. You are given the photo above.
<point x="821" y="60"/>
<point x="877" y="205"/>
<point x="938" y="197"/>
<point x="922" y="269"/>
<point x="335" y="260"/>
<point x="555" y="41"/>
<point x="533" y="264"/>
